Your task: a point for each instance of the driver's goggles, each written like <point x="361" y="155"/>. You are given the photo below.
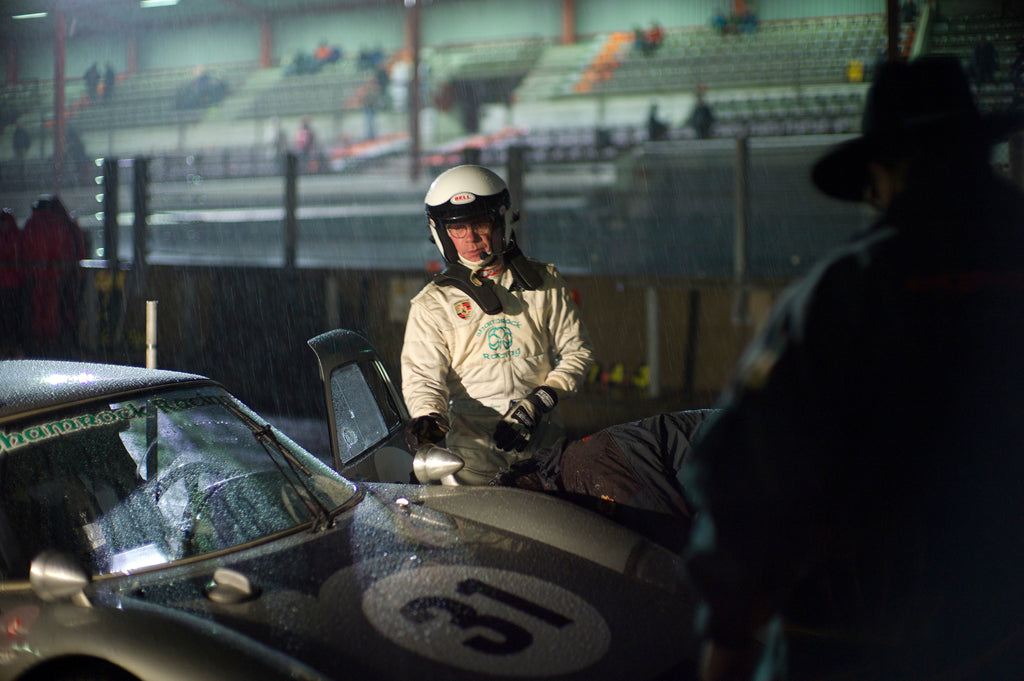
<point x="460" y="230"/>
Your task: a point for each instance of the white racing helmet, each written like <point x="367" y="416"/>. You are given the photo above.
<point x="465" y="193"/>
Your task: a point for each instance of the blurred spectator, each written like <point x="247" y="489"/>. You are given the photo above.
<point x="92" y="82"/>
<point x="748" y="21"/>
<point x="277" y="140"/>
<point x="657" y="129"/>
<point x="648" y="42"/>
<point x="370" y="59"/>
<point x="108" y="82"/>
<point x="719" y="22"/>
<point x="203" y="91"/>
<point x="20" y="141"/>
<point x="13" y="303"/>
<point x="701" y="119"/>
<point x="53" y="245"/>
<point x="383" y="81"/>
<point x="639" y="39"/>
<point x="399" y="80"/>
<point x="325" y="54"/>
<point x="741" y="19"/>
<point x="302" y="64"/>
<point x="656" y="35"/>
<point x="371" y="102"/>
<point x="984" y="62"/>
<point x="306" y="146"/>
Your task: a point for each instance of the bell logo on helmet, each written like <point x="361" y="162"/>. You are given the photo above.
<point x="464" y="197"/>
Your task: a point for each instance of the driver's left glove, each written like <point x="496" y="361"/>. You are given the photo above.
<point x="524" y="418"/>
<point x="426" y="430"/>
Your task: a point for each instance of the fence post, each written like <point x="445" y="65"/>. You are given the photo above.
<point x="291" y="226"/>
<point x="740" y="309"/>
<point x="140" y="195"/>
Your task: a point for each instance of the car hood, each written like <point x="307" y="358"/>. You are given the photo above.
<point x="433" y="582"/>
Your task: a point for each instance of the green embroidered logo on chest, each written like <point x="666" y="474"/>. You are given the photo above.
<point x="499" y="338"/>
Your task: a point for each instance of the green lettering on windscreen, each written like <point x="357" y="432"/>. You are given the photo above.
<point x="34" y="434"/>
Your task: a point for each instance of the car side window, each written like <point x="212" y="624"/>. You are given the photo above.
<point x="358" y="417"/>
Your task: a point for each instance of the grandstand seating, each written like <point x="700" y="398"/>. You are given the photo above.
<point x="149" y="98"/>
<point x="959" y="34"/>
<point x="789" y="52"/>
<point x="277" y="94"/>
<point x="478" y="61"/>
<point x="26" y="98"/>
<point x="789" y="111"/>
<point x="557" y="69"/>
<point x="788" y="77"/>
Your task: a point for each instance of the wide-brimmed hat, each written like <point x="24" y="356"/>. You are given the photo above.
<point x="925" y="101"/>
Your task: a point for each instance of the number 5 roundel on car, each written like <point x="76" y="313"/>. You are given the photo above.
<point x="487" y="620"/>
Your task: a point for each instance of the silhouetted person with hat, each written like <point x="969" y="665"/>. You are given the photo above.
<point x="860" y="495"/>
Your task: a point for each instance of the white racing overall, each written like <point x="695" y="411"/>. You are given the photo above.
<point x="459" y="362"/>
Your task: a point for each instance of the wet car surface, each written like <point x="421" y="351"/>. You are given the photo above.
<point x="152" y="525"/>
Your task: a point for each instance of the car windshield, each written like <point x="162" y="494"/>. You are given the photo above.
<point x="146" y="481"/>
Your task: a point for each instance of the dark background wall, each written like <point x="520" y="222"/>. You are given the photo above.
<point x="254" y="341"/>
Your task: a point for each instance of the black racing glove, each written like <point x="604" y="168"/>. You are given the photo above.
<point x="524" y="418"/>
<point x="425" y="430"/>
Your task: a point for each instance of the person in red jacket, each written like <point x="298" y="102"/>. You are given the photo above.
<point x="12" y="287"/>
<point x="53" y="245"/>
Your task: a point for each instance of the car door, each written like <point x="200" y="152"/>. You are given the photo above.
<point x="365" y="412"/>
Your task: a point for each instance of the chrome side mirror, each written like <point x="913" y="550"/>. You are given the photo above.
<point x="55" y="576"/>
<point x="436" y="464"/>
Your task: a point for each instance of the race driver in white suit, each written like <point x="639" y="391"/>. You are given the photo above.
<point x="494" y="342"/>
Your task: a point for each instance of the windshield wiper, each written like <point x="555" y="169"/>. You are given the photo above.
<point x="322" y="516"/>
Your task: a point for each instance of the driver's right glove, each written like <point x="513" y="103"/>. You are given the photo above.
<point x="425" y="430"/>
<point x="524" y="418"/>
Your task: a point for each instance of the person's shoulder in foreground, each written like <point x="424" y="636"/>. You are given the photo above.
<point x="859" y="497"/>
